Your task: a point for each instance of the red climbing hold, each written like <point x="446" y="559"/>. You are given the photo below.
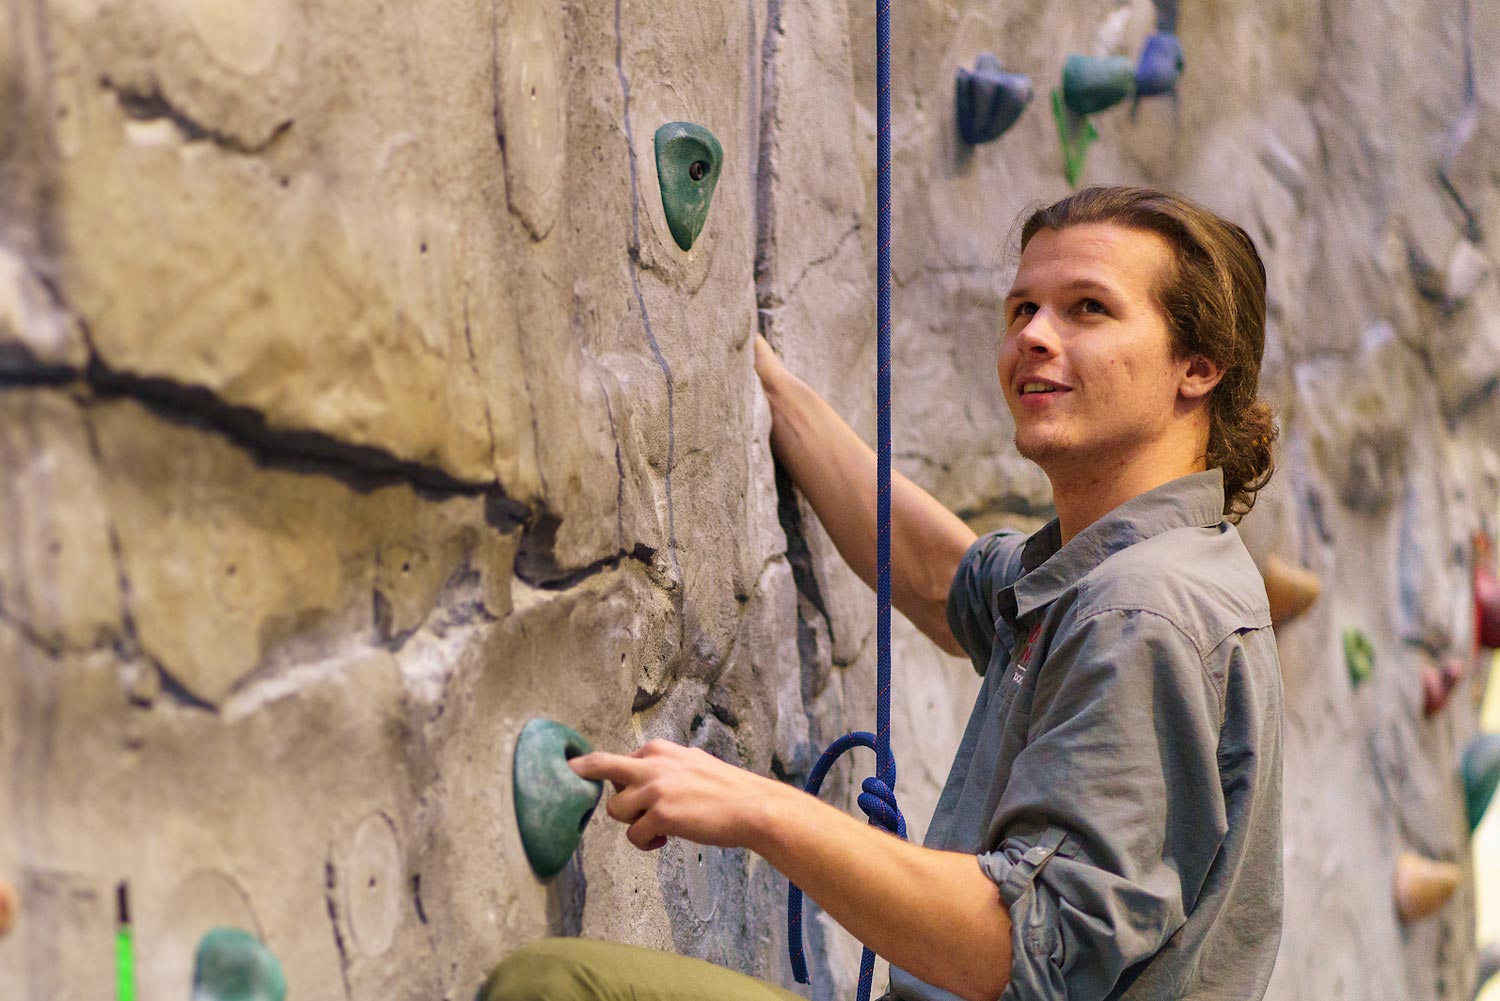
<point x="1486" y="594"/>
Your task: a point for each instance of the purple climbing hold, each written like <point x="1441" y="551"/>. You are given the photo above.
<point x="1160" y="65"/>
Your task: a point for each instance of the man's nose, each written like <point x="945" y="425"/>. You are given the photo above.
<point x="1039" y="336"/>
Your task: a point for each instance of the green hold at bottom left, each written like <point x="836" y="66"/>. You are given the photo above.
<point x="233" y="965"/>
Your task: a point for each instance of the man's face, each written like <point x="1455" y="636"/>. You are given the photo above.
<point x="1086" y="364"/>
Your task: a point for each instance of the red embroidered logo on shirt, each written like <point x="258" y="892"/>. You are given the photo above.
<point x="1024" y="661"/>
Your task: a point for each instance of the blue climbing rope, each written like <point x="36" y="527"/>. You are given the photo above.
<point x="878" y="798"/>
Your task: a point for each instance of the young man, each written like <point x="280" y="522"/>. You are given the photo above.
<point x="1111" y="824"/>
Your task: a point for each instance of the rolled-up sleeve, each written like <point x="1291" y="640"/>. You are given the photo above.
<point x="992" y="562"/>
<point x="1114" y="810"/>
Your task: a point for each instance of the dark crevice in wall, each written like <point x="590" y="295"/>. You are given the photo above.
<point x="19" y="370"/>
<point x="805" y="577"/>
<point x="536" y="566"/>
<point x="765" y="175"/>
<point x="788" y="510"/>
<point x="150" y="104"/>
<point x="330" y="901"/>
<point x="361" y="467"/>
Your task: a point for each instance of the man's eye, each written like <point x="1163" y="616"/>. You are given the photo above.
<point x="1024" y="309"/>
<point x="1093" y="306"/>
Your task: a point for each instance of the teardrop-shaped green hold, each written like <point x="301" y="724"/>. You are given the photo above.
<point x="234" y="965"/>
<point x="552" y="802"/>
<point x="1093" y="83"/>
<point x="1359" y="655"/>
<point x="1481" y="767"/>
<point x="688" y="161"/>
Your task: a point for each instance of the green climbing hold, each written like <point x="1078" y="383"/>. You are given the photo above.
<point x="1481" y="768"/>
<point x="688" y="161"/>
<point x="1359" y="655"/>
<point x="1076" y="133"/>
<point x="1093" y="83"/>
<point x="233" y="965"/>
<point x="552" y="802"/>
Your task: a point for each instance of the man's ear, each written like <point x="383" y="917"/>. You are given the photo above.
<point x="1199" y="377"/>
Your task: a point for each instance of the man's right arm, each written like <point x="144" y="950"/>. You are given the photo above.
<point x="836" y="471"/>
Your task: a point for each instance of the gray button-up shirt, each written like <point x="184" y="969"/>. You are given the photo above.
<point x="1120" y="776"/>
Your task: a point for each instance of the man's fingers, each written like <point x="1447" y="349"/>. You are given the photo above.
<point x="620" y="769"/>
<point x="628" y="805"/>
<point x="644" y="836"/>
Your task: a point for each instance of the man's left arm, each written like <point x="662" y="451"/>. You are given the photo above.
<point x="932" y="913"/>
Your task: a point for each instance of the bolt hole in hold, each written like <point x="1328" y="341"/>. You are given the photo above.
<point x="688" y="162"/>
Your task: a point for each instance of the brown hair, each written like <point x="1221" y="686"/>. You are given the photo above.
<point x="1215" y="304"/>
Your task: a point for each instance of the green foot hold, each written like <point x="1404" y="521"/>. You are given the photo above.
<point x="552" y="803"/>
<point x="1076" y="133"/>
<point x="234" y="965"/>
<point x="1093" y="83"/>
<point x="1481" y="769"/>
<point x="688" y="161"/>
<point x="1359" y="655"/>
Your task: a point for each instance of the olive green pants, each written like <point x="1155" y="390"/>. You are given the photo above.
<point x="581" y="969"/>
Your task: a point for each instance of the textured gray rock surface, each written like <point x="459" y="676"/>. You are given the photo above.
<point x="356" y="406"/>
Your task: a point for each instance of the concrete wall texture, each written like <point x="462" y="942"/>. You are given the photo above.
<point x="356" y="406"/>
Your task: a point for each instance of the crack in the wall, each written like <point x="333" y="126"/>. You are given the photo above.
<point x="535" y="567"/>
<point x="788" y="512"/>
<point x="489" y="419"/>
<point x="151" y="104"/>
<point x="772" y="299"/>
<point x="362" y="467"/>
<point x="633" y="264"/>
<point x="765" y="173"/>
<point x="1462" y="131"/>
<point x="330" y="901"/>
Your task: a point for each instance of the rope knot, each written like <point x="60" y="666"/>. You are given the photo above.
<point x="878" y="800"/>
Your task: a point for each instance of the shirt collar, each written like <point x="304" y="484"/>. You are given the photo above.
<point x="1049" y="568"/>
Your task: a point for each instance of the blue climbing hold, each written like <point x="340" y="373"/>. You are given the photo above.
<point x="1160" y="65"/>
<point x="988" y="99"/>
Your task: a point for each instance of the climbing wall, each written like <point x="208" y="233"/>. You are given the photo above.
<point x="357" y="405"/>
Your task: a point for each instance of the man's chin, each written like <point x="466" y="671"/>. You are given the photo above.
<point x="1039" y="448"/>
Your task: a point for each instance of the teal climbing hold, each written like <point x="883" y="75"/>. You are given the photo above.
<point x="1093" y="83"/>
<point x="552" y="802"/>
<point x="988" y="100"/>
<point x="1160" y="65"/>
<point x="688" y="161"/>
<point x="1076" y="133"/>
<point x="234" y="965"/>
<point x="1359" y="655"/>
<point x="1481" y="770"/>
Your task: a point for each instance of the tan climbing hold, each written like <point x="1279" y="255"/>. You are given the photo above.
<point x="1423" y="885"/>
<point x="7" y="907"/>
<point x="1290" y="589"/>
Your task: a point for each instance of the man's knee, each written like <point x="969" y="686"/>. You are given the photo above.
<point x="548" y="970"/>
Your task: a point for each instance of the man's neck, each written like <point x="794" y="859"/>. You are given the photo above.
<point x="1085" y="492"/>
